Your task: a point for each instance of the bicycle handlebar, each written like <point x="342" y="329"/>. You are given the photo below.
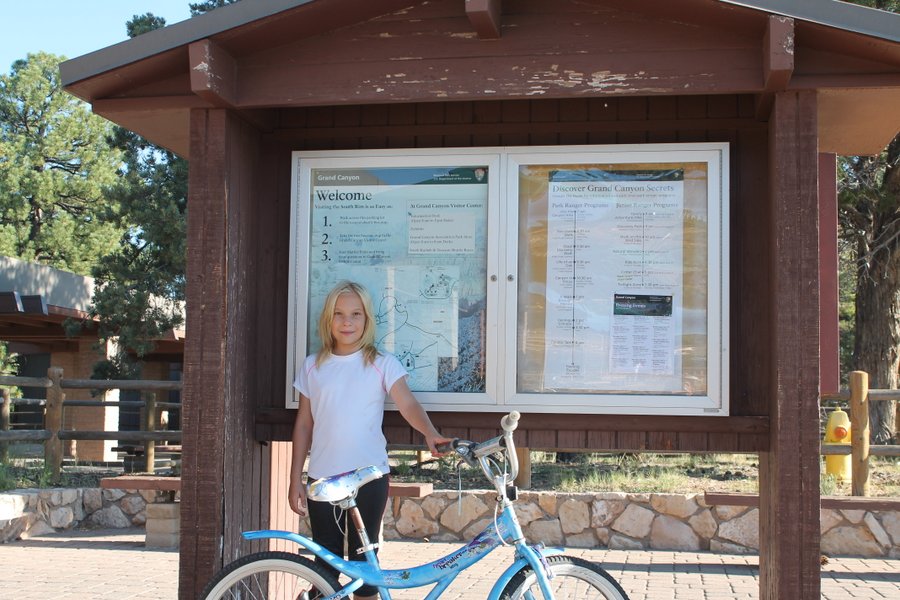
<point x="481" y="454"/>
<point x="510" y="421"/>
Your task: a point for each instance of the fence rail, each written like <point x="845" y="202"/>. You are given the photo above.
<point x="858" y="397"/>
<point x="53" y="435"/>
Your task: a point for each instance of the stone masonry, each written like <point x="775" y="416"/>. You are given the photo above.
<point x="30" y="512"/>
<point x="621" y="521"/>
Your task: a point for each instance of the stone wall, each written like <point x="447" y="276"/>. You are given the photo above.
<point x="27" y="513"/>
<point x="605" y="520"/>
<point x="632" y="521"/>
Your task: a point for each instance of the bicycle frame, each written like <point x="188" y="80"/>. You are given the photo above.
<point x="441" y="572"/>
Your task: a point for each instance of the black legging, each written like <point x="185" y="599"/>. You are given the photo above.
<point x="326" y="531"/>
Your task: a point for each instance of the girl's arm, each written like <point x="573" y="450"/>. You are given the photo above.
<point x="415" y="415"/>
<point x="300" y="444"/>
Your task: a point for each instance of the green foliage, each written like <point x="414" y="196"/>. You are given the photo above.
<point x="139" y="290"/>
<point x="9" y="361"/>
<point x="198" y="8"/>
<point x="143" y="23"/>
<point x="8" y="481"/>
<point x="889" y="5"/>
<point x="55" y="166"/>
<point x="846" y="307"/>
<point x="828" y="484"/>
<point x="9" y="365"/>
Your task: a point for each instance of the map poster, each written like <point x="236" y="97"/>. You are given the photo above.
<point x="416" y="238"/>
<point x="614" y="278"/>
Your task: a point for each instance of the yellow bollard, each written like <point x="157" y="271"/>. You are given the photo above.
<point x="838" y="432"/>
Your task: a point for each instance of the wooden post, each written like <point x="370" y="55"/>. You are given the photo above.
<point x="789" y="525"/>
<point x="53" y="450"/>
<point x="4" y="425"/>
<point x="523" y="479"/>
<point x="149" y="422"/>
<point x="859" y="432"/>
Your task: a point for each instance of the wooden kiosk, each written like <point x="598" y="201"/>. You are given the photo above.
<point x="783" y="86"/>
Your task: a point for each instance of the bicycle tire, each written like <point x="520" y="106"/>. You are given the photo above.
<point x="573" y="578"/>
<point x="253" y="577"/>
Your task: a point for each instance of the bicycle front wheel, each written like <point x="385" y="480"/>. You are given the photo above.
<point x="573" y="578"/>
<point x="271" y="575"/>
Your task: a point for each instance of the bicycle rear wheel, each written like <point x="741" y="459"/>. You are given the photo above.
<point x="272" y="575"/>
<point x="573" y="578"/>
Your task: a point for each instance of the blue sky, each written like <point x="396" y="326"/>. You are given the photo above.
<point x="73" y="27"/>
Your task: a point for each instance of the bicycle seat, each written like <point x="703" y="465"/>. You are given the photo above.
<point x="342" y="486"/>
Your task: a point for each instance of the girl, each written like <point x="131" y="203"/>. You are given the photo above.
<point x="342" y="392"/>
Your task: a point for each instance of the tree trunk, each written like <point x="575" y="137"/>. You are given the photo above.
<point x="878" y="336"/>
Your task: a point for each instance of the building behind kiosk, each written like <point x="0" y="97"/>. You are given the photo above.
<point x="784" y="86"/>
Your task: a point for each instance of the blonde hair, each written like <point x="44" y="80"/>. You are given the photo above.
<point x="366" y="342"/>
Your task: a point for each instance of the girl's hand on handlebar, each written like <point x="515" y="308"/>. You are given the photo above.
<point x="439" y="440"/>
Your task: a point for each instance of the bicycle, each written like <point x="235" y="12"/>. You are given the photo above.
<point x="536" y="572"/>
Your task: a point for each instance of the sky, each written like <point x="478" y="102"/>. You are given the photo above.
<point x="72" y="28"/>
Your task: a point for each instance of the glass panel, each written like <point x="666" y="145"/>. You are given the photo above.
<point x="613" y="278"/>
<point x="416" y="238"/>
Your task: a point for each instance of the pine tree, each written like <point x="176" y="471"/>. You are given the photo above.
<point x="55" y="167"/>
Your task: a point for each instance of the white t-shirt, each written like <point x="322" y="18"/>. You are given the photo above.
<point x="347" y="400"/>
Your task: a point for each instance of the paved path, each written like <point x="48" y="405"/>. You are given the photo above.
<point x="114" y="564"/>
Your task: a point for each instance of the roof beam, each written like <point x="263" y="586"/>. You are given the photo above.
<point x="485" y="17"/>
<point x="778" y="62"/>
<point x="213" y="73"/>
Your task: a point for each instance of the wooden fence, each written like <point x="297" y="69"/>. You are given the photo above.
<point x="53" y="435"/>
<point x="859" y="396"/>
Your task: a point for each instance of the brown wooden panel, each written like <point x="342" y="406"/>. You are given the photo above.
<point x="722" y="107"/>
<point x="751" y="294"/>
<point x="662" y="107"/>
<point x="249" y="461"/>
<point x="574" y="110"/>
<point x="601" y="440"/>
<point x="633" y="109"/>
<point x="541" y="438"/>
<point x="693" y="442"/>
<point x="631" y="440"/>
<point x="724" y="442"/>
<point x="459" y="113"/>
<point x="752" y="443"/>
<point x="398" y="436"/>
<point x="662" y="136"/>
<point x="632" y="137"/>
<point x="651" y="58"/>
<point x="454" y="432"/>
<point x="662" y="441"/>
<point x="571" y="440"/>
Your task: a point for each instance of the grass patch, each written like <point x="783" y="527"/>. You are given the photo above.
<point x="636" y="473"/>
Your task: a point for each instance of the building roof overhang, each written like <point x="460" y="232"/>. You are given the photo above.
<point x="257" y="57"/>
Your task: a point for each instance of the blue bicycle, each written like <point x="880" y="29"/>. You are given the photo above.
<point x="536" y="572"/>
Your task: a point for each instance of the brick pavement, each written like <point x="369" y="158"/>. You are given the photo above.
<point x="114" y="564"/>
